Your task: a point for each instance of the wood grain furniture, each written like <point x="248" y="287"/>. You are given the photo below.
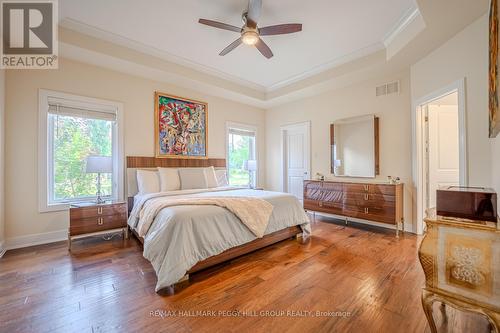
<point x="151" y="162"/>
<point x="368" y="201"/>
<point x="92" y="219"/>
<point x="461" y="262"/>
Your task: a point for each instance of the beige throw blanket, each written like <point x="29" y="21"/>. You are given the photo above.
<point x="254" y="213"/>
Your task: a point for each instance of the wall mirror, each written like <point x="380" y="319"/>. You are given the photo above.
<point x="355" y="147"/>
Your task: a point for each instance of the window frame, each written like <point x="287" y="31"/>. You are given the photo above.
<point x="247" y="128"/>
<point x="45" y="160"/>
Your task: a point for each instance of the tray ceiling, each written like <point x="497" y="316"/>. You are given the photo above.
<point x="333" y="31"/>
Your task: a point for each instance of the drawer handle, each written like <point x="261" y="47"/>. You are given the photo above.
<point x="366" y="187"/>
<point x="366" y="210"/>
<point x="320" y="204"/>
<point x="366" y="197"/>
<point x="99" y="210"/>
<point x="100" y="221"/>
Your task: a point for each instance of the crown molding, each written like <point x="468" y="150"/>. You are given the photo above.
<point x="410" y="15"/>
<point x="76" y="53"/>
<point x="110" y="37"/>
<point x="363" y="52"/>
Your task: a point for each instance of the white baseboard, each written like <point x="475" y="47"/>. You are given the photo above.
<point x="36" y="239"/>
<point x="408" y="228"/>
<point x="3" y="249"/>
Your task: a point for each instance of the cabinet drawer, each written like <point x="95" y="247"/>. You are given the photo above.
<point x="94" y="224"/>
<point x="384" y="215"/>
<point x="97" y="211"/>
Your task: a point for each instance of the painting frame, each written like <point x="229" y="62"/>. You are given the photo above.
<point x="493" y="73"/>
<point x="158" y="152"/>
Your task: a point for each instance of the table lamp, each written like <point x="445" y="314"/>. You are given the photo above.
<point x="99" y="164"/>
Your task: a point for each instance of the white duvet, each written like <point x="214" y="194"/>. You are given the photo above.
<point x="181" y="236"/>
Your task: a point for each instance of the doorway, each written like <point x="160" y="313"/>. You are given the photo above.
<point x="442" y="146"/>
<point x="295" y="158"/>
<point x="439" y="146"/>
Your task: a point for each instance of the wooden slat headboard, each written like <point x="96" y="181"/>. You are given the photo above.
<point x="153" y="162"/>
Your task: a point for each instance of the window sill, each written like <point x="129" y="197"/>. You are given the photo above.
<point x="53" y="208"/>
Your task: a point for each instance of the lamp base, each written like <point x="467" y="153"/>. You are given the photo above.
<point x="100" y="200"/>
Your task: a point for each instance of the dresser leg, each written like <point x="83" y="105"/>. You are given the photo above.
<point x="69" y="243"/>
<point x="397" y="229"/>
<point x="346" y="221"/>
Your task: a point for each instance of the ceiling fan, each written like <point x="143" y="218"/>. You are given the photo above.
<point x="250" y="33"/>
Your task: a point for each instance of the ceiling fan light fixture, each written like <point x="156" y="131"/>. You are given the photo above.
<point x="250" y="37"/>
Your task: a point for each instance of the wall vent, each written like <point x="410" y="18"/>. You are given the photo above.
<point x="387" y="89"/>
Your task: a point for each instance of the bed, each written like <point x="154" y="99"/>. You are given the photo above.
<point x="185" y="231"/>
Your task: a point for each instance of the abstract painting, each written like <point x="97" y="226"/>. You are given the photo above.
<point x="493" y="71"/>
<point x="180" y="127"/>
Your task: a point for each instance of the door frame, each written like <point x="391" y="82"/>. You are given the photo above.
<point x="283" y="129"/>
<point x="419" y="168"/>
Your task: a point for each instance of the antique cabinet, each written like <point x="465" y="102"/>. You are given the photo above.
<point x="461" y="262"/>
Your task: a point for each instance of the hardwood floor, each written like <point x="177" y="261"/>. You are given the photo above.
<point x="369" y="277"/>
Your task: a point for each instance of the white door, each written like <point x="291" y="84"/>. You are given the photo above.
<point x="296" y="156"/>
<point x="443" y="149"/>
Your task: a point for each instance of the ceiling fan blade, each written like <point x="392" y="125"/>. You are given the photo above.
<point x="280" y="29"/>
<point x="219" y="25"/>
<point x="264" y="49"/>
<point x="231" y="47"/>
<point x="253" y="14"/>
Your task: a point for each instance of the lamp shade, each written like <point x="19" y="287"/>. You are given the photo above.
<point x="99" y="164"/>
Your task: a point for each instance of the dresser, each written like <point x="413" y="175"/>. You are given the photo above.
<point x="92" y="219"/>
<point x="461" y="263"/>
<point x="381" y="203"/>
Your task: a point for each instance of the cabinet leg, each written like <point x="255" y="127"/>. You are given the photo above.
<point x="346" y="221"/>
<point x="397" y="229"/>
<point x="427" y="301"/>
<point x="69" y="243"/>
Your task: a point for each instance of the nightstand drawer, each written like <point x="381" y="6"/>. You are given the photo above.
<point x="94" y="224"/>
<point x="97" y="211"/>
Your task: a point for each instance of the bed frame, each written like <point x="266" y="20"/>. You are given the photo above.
<point x="134" y="162"/>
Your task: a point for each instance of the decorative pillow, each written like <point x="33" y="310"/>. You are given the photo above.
<point x="211" y="177"/>
<point x="221" y="177"/>
<point x="192" y="178"/>
<point x="148" y="181"/>
<point x="169" y="179"/>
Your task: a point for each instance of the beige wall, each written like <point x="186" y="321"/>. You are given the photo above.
<point x="463" y="56"/>
<point x="357" y="100"/>
<point x="22" y="217"/>
<point x="2" y="157"/>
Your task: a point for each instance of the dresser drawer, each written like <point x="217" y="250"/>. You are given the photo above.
<point x="94" y="224"/>
<point x="97" y="211"/>
<point x="370" y="200"/>
<point x="370" y="188"/>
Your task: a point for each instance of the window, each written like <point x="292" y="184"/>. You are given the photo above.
<point x="241" y="155"/>
<point x="71" y="129"/>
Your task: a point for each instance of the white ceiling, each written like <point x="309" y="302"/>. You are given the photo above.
<point x="333" y="31"/>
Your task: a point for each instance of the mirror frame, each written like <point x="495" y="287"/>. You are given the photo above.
<point x="376" y="148"/>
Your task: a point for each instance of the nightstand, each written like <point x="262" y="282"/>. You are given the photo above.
<point x="91" y="219"/>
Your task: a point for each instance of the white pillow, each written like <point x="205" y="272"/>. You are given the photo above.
<point x="221" y="176"/>
<point x="211" y="178"/>
<point x="193" y="178"/>
<point x="169" y="179"/>
<point x="148" y="181"/>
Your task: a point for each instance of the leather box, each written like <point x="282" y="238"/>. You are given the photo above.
<point x="473" y="203"/>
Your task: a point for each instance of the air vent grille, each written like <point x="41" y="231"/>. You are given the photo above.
<point x="387" y="89"/>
